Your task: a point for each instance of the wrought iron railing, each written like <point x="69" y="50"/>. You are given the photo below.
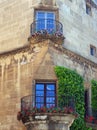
<point x="29" y="111"/>
<point x="49" y="26"/>
<point x="28" y="102"/>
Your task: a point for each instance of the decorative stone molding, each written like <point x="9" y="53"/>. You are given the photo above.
<point x="49" y="2"/>
<point x="31" y="50"/>
<point x="54" y="121"/>
<point x="76" y="57"/>
<point x="21" y="55"/>
<point x="42" y="37"/>
<point x="83" y="66"/>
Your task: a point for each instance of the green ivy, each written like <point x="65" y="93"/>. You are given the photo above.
<point x="94" y="94"/>
<point x="71" y="83"/>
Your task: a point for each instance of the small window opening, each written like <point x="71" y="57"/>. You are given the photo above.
<point x="88" y="9"/>
<point x="92" y="50"/>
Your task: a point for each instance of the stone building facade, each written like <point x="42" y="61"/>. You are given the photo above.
<point x="26" y="58"/>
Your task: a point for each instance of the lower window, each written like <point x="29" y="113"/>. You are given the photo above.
<point x="45" y="95"/>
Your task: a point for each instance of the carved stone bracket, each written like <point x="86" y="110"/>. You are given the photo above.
<point x="50" y="122"/>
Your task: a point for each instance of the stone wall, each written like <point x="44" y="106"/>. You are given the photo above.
<point x="50" y="122"/>
<point x="15" y="82"/>
<point x="19" y="69"/>
<point x="15" y="19"/>
<point x="78" y="27"/>
<point x="70" y="60"/>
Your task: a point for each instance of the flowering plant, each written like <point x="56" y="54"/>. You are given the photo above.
<point x="55" y="36"/>
<point x="48" y="32"/>
<point x="31" y="112"/>
<point x="91" y="119"/>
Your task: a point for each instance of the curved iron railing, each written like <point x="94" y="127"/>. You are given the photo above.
<point x="46" y="25"/>
<point x="28" y="102"/>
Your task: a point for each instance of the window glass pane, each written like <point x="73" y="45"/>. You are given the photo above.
<point x="40" y="25"/>
<point x="39" y="86"/>
<point x="50" y="93"/>
<point x="39" y="105"/>
<point x="50" y="24"/>
<point x="50" y="105"/>
<point x="40" y="15"/>
<point x="50" y="100"/>
<point x="39" y="93"/>
<point x="50" y="15"/>
<point x="42" y="20"/>
<point x="88" y="9"/>
<point x="50" y="87"/>
<point x="40" y="99"/>
<point x="92" y="50"/>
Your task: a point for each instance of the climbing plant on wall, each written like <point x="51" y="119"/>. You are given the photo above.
<point x="71" y="83"/>
<point x="94" y="94"/>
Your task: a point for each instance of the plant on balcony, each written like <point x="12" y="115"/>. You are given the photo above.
<point x="55" y="36"/>
<point x="71" y="83"/>
<point x="24" y="114"/>
<point x="90" y="119"/>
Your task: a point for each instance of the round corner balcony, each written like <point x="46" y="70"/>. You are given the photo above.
<point x="52" y="30"/>
<point x="43" y="118"/>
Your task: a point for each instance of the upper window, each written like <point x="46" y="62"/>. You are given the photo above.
<point x="88" y="9"/>
<point x="45" y="20"/>
<point x="45" y="95"/>
<point x="92" y="50"/>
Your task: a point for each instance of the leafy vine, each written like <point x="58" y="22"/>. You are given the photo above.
<point x="71" y="83"/>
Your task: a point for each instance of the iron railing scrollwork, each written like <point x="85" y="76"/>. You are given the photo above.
<point x="49" y="25"/>
<point x="28" y="102"/>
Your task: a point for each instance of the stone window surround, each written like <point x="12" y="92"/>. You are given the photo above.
<point x="47" y="8"/>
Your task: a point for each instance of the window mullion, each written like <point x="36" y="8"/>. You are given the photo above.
<point x="45" y="20"/>
<point x="44" y="94"/>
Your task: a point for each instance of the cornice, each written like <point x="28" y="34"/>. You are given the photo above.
<point x="30" y="49"/>
<point x="15" y="51"/>
<point x="76" y="57"/>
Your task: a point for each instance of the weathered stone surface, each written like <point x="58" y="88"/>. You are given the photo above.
<point x="79" y="28"/>
<point x="19" y="68"/>
<point x="54" y="121"/>
<point x="17" y="80"/>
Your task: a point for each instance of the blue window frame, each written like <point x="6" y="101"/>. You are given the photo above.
<point x="92" y="50"/>
<point x="45" y="95"/>
<point x="45" y="21"/>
